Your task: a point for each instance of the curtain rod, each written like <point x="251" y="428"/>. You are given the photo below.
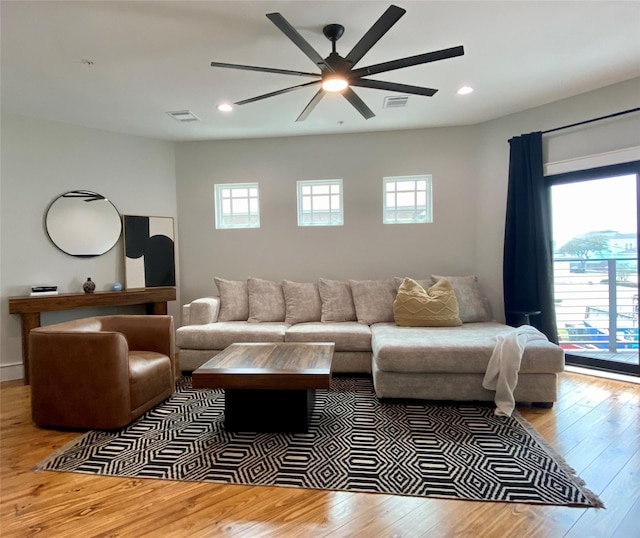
<point x="592" y="120"/>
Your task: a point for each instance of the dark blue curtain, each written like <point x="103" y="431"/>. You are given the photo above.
<point x="528" y="253"/>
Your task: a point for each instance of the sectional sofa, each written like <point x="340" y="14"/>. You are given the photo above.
<point x="436" y="363"/>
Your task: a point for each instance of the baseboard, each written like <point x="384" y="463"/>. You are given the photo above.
<point x="11" y="372"/>
<point x="602" y="373"/>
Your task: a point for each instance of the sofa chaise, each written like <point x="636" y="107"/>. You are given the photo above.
<point x="433" y="363"/>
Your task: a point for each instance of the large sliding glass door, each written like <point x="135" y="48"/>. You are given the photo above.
<point x="595" y="236"/>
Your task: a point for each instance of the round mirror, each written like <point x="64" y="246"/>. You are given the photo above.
<point x="83" y="223"/>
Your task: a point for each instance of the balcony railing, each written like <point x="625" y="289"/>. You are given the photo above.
<point x="596" y="304"/>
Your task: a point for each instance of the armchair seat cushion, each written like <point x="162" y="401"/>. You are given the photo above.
<point x="150" y="378"/>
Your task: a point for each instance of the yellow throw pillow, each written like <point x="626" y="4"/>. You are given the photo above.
<point x="436" y="307"/>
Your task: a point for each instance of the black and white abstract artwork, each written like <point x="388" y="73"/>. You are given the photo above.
<point x="149" y="251"/>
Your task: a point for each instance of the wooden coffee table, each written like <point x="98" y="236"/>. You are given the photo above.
<point x="268" y="387"/>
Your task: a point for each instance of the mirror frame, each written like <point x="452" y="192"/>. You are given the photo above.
<point x="83" y="231"/>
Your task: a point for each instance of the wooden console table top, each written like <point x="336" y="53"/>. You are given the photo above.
<point x="30" y="307"/>
<point x="69" y="301"/>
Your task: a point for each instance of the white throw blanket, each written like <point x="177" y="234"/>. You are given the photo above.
<point x="504" y="365"/>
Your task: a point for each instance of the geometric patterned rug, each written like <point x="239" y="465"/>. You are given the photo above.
<point x="355" y="443"/>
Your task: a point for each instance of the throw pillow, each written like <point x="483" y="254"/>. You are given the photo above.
<point x="337" y="301"/>
<point x="373" y="299"/>
<point x="302" y="301"/>
<point x="436" y="307"/>
<point x="472" y="304"/>
<point x="266" y="300"/>
<point x="234" y="299"/>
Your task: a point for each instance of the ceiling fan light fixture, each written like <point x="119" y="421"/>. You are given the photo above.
<point x="334" y="84"/>
<point x="465" y="90"/>
<point x="224" y="107"/>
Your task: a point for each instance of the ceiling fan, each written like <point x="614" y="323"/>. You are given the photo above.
<point x="337" y="73"/>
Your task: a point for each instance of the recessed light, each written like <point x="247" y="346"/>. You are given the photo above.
<point x="224" y="107"/>
<point x="465" y="90"/>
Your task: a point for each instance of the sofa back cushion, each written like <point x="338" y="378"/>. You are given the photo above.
<point x="436" y="307"/>
<point x="373" y="299"/>
<point x="471" y="302"/>
<point x="266" y="300"/>
<point x="302" y="301"/>
<point x="337" y="301"/>
<point x="234" y="299"/>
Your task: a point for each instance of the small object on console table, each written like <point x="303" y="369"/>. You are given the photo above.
<point x="89" y="286"/>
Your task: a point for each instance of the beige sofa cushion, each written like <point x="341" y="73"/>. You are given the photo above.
<point x="472" y="304"/>
<point x="416" y="307"/>
<point x="302" y="301"/>
<point x="266" y="300"/>
<point x="373" y="299"/>
<point x="234" y="299"/>
<point x="347" y="335"/>
<point x="463" y="349"/>
<point x="217" y="336"/>
<point x="337" y="301"/>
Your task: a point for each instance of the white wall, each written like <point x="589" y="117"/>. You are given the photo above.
<point x="41" y="160"/>
<point x="363" y="248"/>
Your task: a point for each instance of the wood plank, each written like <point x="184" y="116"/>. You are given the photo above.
<point x="70" y="301"/>
<point x="590" y="410"/>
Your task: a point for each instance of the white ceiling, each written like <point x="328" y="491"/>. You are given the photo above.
<point x="121" y="65"/>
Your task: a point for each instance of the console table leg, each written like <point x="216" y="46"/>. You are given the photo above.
<point x="28" y="321"/>
<point x="157" y="309"/>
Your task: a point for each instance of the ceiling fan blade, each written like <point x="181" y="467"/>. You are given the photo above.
<point x="373" y="35"/>
<point x="358" y="103"/>
<point x="392" y="87"/>
<point x="266" y="69"/>
<point x="311" y="105"/>
<point x="408" y="62"/>
<point x="298" y="40"/>
<point x="273" y="94"/>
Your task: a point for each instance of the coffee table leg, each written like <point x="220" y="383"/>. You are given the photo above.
<point x="278" y="411"/>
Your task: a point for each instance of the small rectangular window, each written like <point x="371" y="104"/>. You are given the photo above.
<point x="237" y="206"/>
<point x="320" y="203"/>
<point x="407" y="200"/>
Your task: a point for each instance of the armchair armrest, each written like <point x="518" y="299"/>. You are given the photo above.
<point x="201" y="311"/>
<point x="144" y="333"/>
<point x="76" y="369"/>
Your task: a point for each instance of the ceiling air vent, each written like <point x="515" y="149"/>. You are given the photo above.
<point x="399" y="101"/>
<point x="184" y="115"/>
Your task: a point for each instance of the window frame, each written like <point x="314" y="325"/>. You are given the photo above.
<point x="221" y="216"/>
<point x="428" y="206"/>
<point x="301" y="212"/>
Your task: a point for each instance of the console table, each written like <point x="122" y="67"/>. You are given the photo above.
<point x="30" y="307"/>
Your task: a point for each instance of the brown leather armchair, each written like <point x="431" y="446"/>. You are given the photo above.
<point x="101" y="372"/>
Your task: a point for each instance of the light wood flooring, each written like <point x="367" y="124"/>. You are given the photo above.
<point x="595" y="426"/>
